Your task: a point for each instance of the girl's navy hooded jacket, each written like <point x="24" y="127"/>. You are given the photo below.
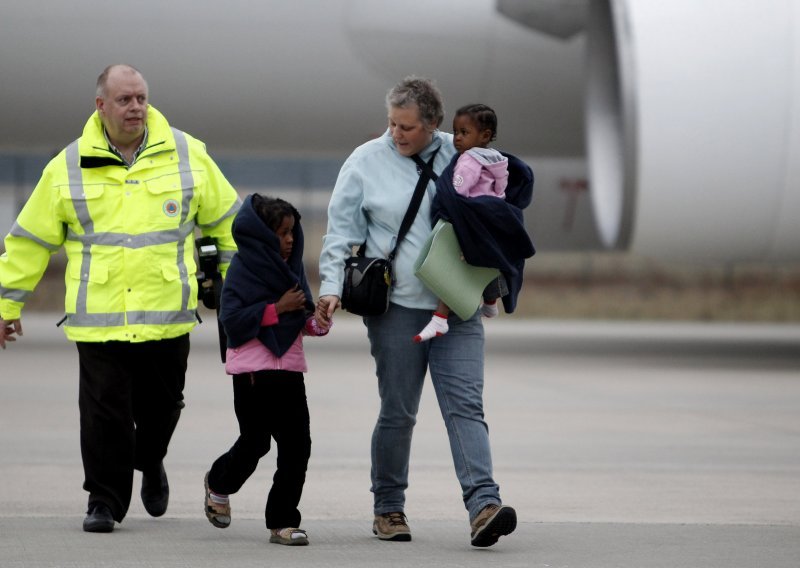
<point x="258" y="276"/>
<point x="491" y="231"/>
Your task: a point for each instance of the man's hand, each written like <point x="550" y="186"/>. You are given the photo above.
<point x="9" y="328"/>
<point x="326" y="305"/>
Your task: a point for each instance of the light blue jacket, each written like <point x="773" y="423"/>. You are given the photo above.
<point x="370" y="198"/>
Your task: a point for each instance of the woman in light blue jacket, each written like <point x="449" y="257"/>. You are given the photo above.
<point x="368" y="203"/>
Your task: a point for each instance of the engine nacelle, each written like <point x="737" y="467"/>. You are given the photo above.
<point x="694" y="127"/>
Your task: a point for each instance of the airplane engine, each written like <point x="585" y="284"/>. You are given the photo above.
<point x="693" y="127"/>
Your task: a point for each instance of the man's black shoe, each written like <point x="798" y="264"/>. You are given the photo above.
<point x="98" y="518"/>
<point x="155" y="491"/>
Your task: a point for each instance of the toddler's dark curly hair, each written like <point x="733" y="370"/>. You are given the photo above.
<point x="483" y="116"/>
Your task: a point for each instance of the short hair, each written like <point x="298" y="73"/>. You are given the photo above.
<point x="421" y="92"/>
<point x="102" y="79"/>
<point x="483" y="116"/>
<point x="273" y="210"/>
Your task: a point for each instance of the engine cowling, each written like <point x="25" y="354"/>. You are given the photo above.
<point x="693" y="127"/>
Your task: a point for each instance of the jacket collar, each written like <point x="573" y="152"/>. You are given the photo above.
<point x="93" y="145"/>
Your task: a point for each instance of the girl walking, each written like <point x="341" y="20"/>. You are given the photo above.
<point x="266" y="308"/>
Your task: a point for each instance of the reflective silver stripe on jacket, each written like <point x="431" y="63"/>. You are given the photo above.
<point x="128" y="240"/>
<point x="82" y="211"/>
<point x="18" y="231"/>
<point x="226" y="256"/>
<point x="232" y="211"/>
<point x="14" y="294"/>
<point x="118" y="319"/>
<point x="187" y="185"/>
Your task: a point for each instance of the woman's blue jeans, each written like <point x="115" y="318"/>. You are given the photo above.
<point x="455" y="361"/>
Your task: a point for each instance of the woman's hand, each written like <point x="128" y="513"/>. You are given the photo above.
<point x="326" y="306"/>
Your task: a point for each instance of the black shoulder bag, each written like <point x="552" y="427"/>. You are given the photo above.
<point x="368" y="280"/>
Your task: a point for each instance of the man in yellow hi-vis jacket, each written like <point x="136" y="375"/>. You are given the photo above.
<point x="124" y="201"/>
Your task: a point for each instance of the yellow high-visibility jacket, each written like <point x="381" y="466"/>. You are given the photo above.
<point x="128" y="234"/>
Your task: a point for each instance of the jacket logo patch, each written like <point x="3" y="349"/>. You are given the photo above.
<point x="170" y="208"/>
<point x="458" y="181"/>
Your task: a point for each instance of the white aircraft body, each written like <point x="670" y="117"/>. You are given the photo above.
<point x="670" y="129"/>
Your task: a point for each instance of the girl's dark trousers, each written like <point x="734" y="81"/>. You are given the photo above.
<point x="268" y="404"/>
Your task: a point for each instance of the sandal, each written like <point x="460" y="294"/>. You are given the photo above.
<point x="289" y="536"/>
<point x="218" y="514"/>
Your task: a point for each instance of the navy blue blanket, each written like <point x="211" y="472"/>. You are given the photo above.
<point x="258" y="276"/>
<point x="491" y="231"/>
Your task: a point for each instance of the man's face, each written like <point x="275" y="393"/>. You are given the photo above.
<point x="123" y="107"/>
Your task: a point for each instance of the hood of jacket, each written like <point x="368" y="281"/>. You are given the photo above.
<point x="258" y="276"/>
<point x="494" y="162"/>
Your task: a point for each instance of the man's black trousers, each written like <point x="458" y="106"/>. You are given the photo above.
<point x="130" y="398"/>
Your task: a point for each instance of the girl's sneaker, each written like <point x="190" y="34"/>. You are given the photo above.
<point x="288" y="536"/>
<point x="218" y="514"/>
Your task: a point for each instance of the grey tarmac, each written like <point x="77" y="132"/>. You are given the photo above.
<point x="642" y="444"/>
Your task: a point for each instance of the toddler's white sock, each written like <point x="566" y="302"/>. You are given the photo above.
<point x="436" y="327"/>
<point x="489" y="310"/>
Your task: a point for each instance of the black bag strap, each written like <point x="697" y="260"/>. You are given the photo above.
<point x="426" y="174"/>
<point x="425" y="171"/>
<point x="427" y="168"/>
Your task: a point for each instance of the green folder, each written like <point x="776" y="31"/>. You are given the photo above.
<point x="442" y="268"/>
